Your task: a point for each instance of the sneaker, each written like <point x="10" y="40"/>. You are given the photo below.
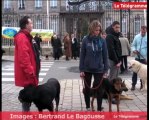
<point x="133" y="88"/>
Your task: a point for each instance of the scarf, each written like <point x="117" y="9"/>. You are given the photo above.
<point x="96" y="43"/>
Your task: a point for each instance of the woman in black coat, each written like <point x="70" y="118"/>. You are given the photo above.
<point x="56" y="44"/>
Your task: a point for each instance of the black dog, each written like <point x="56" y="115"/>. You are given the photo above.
<point x="42" y="95"/>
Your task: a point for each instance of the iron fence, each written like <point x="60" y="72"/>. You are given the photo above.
<point x="76" y="20"/>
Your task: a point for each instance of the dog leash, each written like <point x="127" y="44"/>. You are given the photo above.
<point x="141" y="56"/>
<point x="89" y="86"/>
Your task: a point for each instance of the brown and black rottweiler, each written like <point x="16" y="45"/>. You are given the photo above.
<point x="113" y="89"/>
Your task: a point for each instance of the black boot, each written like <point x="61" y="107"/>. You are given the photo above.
<point x="133" y="87"/>
<point x="67" y="59"/>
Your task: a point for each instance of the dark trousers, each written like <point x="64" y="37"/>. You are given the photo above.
<point x="99" y="91"/>
<point x="124" y="63"/>
<point x="56" y="53"/>
<point x="74" y="54"/>
<point x="134" y="76"/>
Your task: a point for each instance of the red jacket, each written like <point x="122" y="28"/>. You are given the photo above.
<point x="25" y="63"/>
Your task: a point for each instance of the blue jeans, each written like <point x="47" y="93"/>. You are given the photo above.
<point x="134" y="76"/>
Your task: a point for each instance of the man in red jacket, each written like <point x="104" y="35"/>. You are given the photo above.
<point x="27" y="57"/>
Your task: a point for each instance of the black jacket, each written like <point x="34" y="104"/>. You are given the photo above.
<point x="38" y="40"/>
<point x="74" y="46"/>
<point x="56" y="43"/>
<point x="113" y="45"/>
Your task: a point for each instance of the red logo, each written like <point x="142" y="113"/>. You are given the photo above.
<point x="129" y="5"/>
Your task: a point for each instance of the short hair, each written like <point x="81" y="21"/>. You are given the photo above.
<point x="93" y="25"/>
<point x="115" y="23"/>
<point x="23" y="22"/>
<point x="143" y="27"/>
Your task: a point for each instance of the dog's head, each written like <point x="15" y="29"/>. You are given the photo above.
<point x="117" y="83"/>
<point x="124" y="87"/>
<point x="26" y="94"/>
<point x="134" y="65"/>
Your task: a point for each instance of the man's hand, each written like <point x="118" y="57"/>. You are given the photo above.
<point x="118" y="65"/>
<point x="135" y="52"/>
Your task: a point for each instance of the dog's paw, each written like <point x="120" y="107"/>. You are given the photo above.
<point x="93" y="109"/>
<point x="143" y="89"/>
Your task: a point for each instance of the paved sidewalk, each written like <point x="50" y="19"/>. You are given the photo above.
<point x="72" y="99"/>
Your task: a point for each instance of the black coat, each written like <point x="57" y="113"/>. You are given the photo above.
<point x="74" y="46"/>
<point x="113" y="45"/>
<point x="56" y="44"/>
<point x="38" y="40"/>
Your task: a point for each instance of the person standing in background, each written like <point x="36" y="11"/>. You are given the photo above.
<point x="26" y="58"/>
<point x="38" y="40"/>
<point x="74" y="47"/>
<point x="67" y="46"/>
<point x="56" y="44"/>
<point x="139" y="48"/>
<point x="125" y="52"/>
<point x="114" y="49"/>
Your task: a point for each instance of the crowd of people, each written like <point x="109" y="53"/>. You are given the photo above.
<point x="104" y="51"/>
<point x="71" y="47"/>
<point x="101" y="51"/>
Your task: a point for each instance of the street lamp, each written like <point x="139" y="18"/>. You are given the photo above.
<point x="48" y="16"/>
<point x="145" y="15"/>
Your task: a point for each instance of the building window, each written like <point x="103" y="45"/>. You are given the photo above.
<point x="53" y="3"/>
<point x="7" y="23"/>
<point x="137" y="25"/>
<point x="7" y="4"/>
<point x="38" y="3"/>
<point x="108" y="22"/>
<point x="39" y="24"/>
<point x="54" y="23"/>
<point x="21" y="4"/>
<point x="124" y="26"/>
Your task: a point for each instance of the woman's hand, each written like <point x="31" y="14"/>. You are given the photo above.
<point x="105" y="75"/>
<point x="82" y="74"/>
